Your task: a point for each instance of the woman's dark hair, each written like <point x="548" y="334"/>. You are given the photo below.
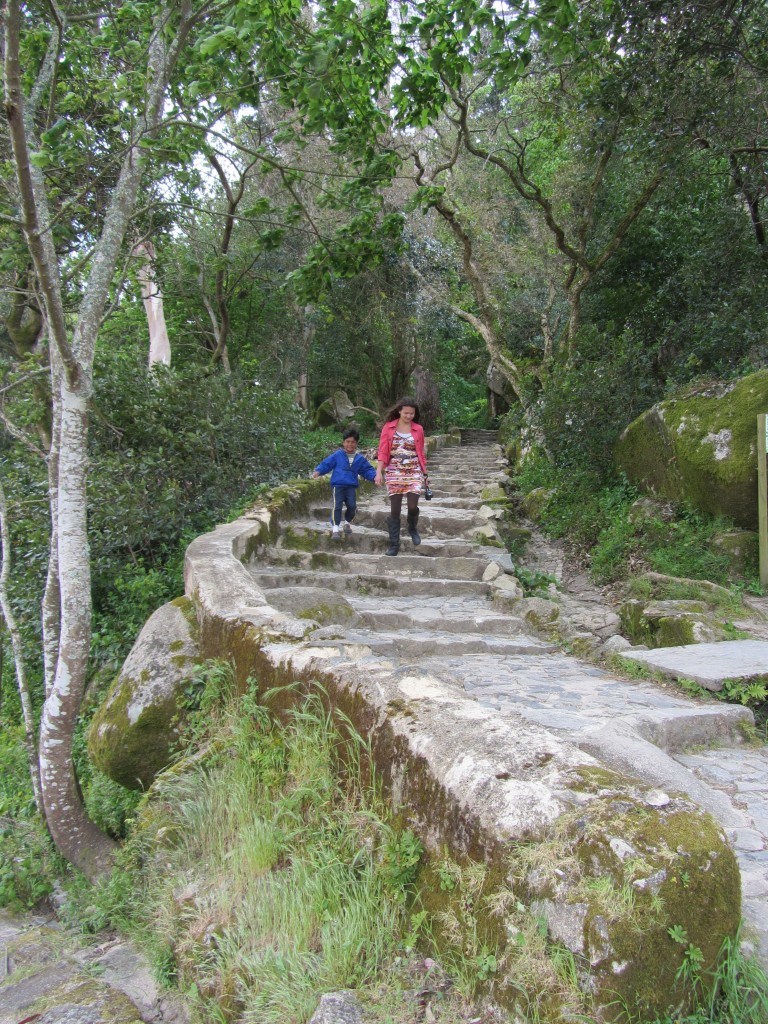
<point x="394" y="412"/>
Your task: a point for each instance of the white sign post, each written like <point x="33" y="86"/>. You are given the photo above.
<point x="762" y="496"/>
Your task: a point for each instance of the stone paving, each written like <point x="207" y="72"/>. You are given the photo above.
<point x="51" y="976"/>
<point x="452" y="606"/>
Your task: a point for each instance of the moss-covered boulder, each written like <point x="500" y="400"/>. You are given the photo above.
<point x="740" y="548"/>
<point x="133" y="732"/>
<point x="534" y="502"/>
<point x="335" y="411"/>
<point x="701" y="448"/>
<point x="670" y="623"/>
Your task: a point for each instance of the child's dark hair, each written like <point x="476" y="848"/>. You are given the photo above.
<point x="350" y="432"/>
<point x="394" y="412"/>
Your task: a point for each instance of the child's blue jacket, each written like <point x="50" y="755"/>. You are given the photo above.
<point x="342" y="474"/>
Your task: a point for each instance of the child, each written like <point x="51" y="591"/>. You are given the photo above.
<point x="345" y="465"/>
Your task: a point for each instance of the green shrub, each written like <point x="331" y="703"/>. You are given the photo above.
<point x="580" y="408"/>
<point x="598" y="519"/>
<point x="28" y="862"/>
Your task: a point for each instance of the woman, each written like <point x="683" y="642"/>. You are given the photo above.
<point x="402" y="464"/>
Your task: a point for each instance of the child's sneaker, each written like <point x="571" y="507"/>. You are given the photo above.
<point x="335" y="535"/>
<point x="347" y="528"/>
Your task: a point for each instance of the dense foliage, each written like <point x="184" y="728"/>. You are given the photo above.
<point x="555" y="211"/>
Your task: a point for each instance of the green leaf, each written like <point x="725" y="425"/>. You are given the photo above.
<point x="40" y="158"/>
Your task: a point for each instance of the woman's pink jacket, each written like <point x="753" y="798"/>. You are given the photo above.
<point x="385" y="444"/>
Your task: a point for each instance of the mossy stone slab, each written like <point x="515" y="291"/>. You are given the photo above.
<point x="708" y="664"/>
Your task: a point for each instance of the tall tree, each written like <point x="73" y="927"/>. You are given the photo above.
<point x="30" y="102"/>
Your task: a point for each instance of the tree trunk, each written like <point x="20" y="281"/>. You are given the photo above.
<point x="308" y="331"/>
<point x="51" y="605"/>
<point x="159" y="342"/>
<point x="75" y="836"/>
<point x="303" y="391"/>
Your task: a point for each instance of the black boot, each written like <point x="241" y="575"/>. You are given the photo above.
<point x="413" y="519"/>
<point x="393" y="525"/>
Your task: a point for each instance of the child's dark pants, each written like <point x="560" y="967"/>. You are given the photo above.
<point x="344" y="496"/>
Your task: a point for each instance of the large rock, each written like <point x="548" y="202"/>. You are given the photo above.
<point x="133" y="732"/>
<point x="41" y="980"/>
<point x="670" y="623"/>
<point x="335" y="411"/>
<point x="701" y="449"/>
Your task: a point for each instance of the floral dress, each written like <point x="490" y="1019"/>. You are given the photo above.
<point x="403" y="475"/>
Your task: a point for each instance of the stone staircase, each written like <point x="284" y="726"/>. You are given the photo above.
<point x="452" y="608"/>
<point x="434" y="599"/>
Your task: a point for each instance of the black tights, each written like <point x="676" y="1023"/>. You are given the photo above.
<point x="396" y="503"/>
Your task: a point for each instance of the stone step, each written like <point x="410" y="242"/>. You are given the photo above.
<point x="425" y="644"/>
<point x="457" y="489"/>
<point x="482" y="622"/>
<point x="708" y="664"/>
<point x="447" y="483"/>
<point x="475" y="435"/>
<point x="462" y="567"/>
<point x="317" y="536"/>
<point x="458" y="468"/>
<point x="479" y="460"/>
<point x="470" y="502"/>
<point x="434" y="519"/>
<point x="350" y="584"/>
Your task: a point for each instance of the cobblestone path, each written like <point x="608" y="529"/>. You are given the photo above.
<point x="452" y="607"/>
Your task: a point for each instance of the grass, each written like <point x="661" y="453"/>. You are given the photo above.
<point x="261" y="870"/>
<point x="28" y="861"/>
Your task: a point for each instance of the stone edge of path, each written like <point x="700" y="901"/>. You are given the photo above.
<point x="50" y="973"/>
<point x="468" y="780"/>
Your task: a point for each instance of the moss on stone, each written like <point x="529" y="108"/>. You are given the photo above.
<point x="328" y="614"/>
<point x="322" y="560"/>
<point x="256" y="542"/>
<point x="535" y="501"/>
<point x="674" y="631"/>
<point x="132" y="753"/>
<point x="493" y="493"/>
<point x="188" y="609"/>
<point x="701" y="448"/>
<point x="669" y="623"/>
<point x="488" y="542"/>
<point x="741" y="548"/>
<point x="592" y="779"/>
<point x="300" y="540"/>
<point x="86" y="995"/>
<point x="400" y="707"/>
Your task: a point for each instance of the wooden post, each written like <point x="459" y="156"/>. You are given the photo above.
<point x="762" y="497"/>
